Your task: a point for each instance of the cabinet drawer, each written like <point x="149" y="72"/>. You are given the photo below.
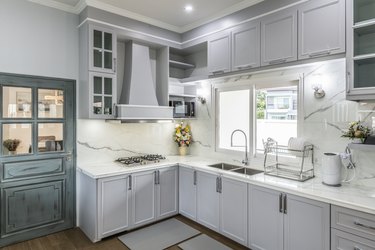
<point x="354" y="222"/>
<point x="31" y="169"/>
<point x="345" y="241"/>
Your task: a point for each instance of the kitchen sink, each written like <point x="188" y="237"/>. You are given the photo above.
<point x="247" y="171"/>
<point x="224" y="166"/>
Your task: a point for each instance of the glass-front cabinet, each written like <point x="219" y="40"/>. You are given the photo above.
<point x="361" y="50"/>
<point x="103" y="95"/>
<point x="102" y="50"/>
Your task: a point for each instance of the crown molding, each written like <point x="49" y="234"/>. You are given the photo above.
<point x="123" y="12"/>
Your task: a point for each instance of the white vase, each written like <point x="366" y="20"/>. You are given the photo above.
<point x="183" y="150"/>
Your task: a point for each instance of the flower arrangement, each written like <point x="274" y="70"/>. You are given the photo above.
<point x="182" y="135"/>
<point x="357" y="130"/>
<point x="11" y="144"/>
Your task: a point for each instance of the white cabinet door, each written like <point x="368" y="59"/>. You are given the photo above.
<point x="233" y="210"/>
<point x="219" y="53"/>
<point x="306" y="224"/>
<point x="246" y="46"/>
<point x="279" y="37"/>
<point x="188" y="192"/>
<point x="208" y="200"/>
<point x="167" y="198"/>
<point x="321" y="29"/>
<point x="265" y="219"/>
<point x="102" y="49"/>
<point x="113" y="208"/>
<point x="143" y="197"/>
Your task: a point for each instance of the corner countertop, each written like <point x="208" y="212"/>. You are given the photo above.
<point x="359" y="195"/>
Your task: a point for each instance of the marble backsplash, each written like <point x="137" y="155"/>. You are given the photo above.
<point x="323" y="122"/>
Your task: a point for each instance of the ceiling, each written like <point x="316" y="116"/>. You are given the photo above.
<point x="167" y="14"/>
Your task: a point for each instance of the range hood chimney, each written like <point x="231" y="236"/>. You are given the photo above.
<point x="138" y="100"/>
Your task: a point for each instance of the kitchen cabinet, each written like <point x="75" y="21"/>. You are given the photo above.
<point x="188" y="192"/>
<point x="113" y="210"/>
<point x="321" y="29"/>
<point x="102" y="49"/>
<point x="360" y="56"/>
<point x="352" y="229"/>
<point x="167" y="190"/>
<point x="278" y="221"/>
<point x="246" y="46"/>
<point x="110" y="205"/>
<point x="143" y="186"/>
<point x="208" y="200"/>
<point x="215" y="198"/>
<point x="279" y="37"/>
<point x="219" y="53"/>
<point x="97" y="75"/>
<point x="233" y="209"/>
<point x="103" y="95"/>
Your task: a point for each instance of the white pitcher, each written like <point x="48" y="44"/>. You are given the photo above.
<point x="332" y="169"/>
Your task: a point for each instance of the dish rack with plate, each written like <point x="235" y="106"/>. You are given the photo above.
<point x="284" y="162"/>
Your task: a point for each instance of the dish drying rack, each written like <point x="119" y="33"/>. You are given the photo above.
<point x="294" y="170"/>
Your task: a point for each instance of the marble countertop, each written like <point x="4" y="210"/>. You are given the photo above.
<point x="359" y="195"/>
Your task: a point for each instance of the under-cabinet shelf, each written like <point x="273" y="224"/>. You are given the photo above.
<point x="181" y="65"/>
<point x="364" y="24"/>
<point x="361" y="146"/>
<point x="364" y="57"/>
<point x="183" y="95"/>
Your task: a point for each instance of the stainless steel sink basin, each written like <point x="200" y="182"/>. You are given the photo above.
<point x="224" y="166"/>
<point x="247" y="171"/>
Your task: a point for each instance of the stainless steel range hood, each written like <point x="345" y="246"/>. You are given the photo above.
<point x="138" y="100"/>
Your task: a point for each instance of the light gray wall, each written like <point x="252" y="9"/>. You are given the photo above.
<point x="38" y="40"/>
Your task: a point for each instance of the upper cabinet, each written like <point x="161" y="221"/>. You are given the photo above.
<point x="361" y="50"/>
<point x="102" y="50"/>
<point x="321" y="29"/>
<point x="219" y="53"/>
<point x="279" y="37"/>
<point x="97" y="80"/>
<point x="246" y="46"/>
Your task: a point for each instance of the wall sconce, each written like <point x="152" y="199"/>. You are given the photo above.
<point x="318" y="91"/>
<point x="201" y="93"/>
<point x="201" y="99"/>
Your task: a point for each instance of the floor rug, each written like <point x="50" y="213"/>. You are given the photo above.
<point x="158" y="236"/>
<point x="202" y="242"/>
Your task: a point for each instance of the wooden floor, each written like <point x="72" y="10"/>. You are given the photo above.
<point x="75" y="239"/>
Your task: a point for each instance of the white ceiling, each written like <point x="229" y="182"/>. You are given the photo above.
<point x="168" y="14"/>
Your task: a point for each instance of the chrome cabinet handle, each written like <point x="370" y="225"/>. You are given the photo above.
<point x="155" y="177"/>
<point x="217" y="72"/>
<point x="277" y="61"/>
<point x="281" y="208"/>
<point x="217" y="184"/>
<point x="247" y="66"/>
<point x="320" y="53"/>
<point x="158" y="177"/>
<point x="357" y="248"/>
<point x="285" y="205"/>
<point x="114" y="111"/>
<point x="348" y="83"/>
<point x="220" y="185"/>
<point x="114" y="65"/>
<point x="130" y="183"/>
<point x="363" y="225"/>
<point x="195" y="178"/>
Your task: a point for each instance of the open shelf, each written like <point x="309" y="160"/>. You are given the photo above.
<point x="363" y="10"/>
<point x="180" y="65"/>
<point x="364" y="40"/>
<point x="364" y="73"/>
<point x="182" y="95"/>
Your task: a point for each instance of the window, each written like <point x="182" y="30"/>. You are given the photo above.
<point x="274" y="116"/>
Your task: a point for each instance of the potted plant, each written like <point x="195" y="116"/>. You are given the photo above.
<point x="11" y="145"/>
<point x="182" y="137"/>
<point x="357" y="132"/>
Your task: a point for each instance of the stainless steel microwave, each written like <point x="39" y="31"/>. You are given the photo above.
<point x="182" y="108"/>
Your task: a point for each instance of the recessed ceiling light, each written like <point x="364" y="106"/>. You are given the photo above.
<point x="188" y="8"/>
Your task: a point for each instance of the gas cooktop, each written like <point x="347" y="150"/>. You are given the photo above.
<point x="140" y="160"/>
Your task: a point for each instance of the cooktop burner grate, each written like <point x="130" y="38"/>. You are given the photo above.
<point x="141" y="160"/>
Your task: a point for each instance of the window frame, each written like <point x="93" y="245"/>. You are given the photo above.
<point x="253" y="85"/>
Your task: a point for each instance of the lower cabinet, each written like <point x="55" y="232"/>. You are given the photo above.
<point x="283" y="221"/>
<point x="221" y="202"/>
<point x="111" y="205"/>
